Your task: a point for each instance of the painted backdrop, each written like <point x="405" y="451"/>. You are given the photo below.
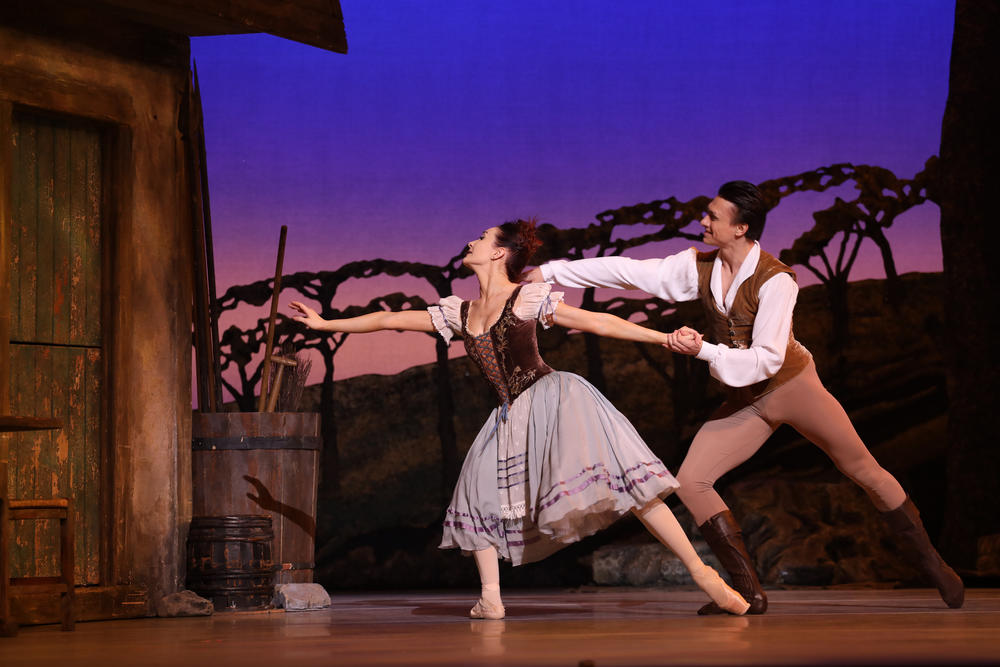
<point x="446" y="117"/>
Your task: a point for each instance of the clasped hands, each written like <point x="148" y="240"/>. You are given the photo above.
<point x="684" y="341"/>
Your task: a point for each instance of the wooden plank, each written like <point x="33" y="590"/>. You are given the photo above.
<point x="89" y="515"/>
<point x="318" y="23"/>
<point x="92" y="603"/>
<point x="7" y="148"/>
<point x="91" y="254"/>
<point x="46" y="460"/>
<point x="21" y="477"/>
<point x="58" y="244"/>
<point x="22" y="402"/>
<point x="62" y="195"/>
<point x="118" y="171"/>
<point x="18" y="423"/>
<point x="45" y="513"/>
<point x="204" y="348"/>
<point x="44" y="230"/>
<point x="24" y="175"/>
<point x="213" y="303"/>
<point x="68" y="407"/>
<point x="13" y="198"/>
<point x="76" y="241"/>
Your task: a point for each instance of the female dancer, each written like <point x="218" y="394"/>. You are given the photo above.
<point x="555" y="462"/>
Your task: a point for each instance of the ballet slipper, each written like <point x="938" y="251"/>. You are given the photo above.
<point x="488" y="610"/>
<point x="725" y="597"/>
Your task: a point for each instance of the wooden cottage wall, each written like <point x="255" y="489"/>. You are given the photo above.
<point x="144" y="460"/>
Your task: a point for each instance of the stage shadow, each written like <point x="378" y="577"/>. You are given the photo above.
<point x="272" y="504"/>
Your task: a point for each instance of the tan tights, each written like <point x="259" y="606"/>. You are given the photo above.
<point x="730" y="438"/>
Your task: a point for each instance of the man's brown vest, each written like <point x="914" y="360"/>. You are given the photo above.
<point x="736" y="329"/>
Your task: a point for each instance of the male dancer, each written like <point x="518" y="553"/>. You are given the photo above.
<point x="770" y="379"/>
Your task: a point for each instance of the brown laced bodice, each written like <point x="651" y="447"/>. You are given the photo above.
<point x="507" y="353"/>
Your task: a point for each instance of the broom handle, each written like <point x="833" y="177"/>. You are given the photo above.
<point x="269" y="347"/>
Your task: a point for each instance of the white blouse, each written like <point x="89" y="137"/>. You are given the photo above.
<point x="675" y="278"/>
<point x="536" y="301"/>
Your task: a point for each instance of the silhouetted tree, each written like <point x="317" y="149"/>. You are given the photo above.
<point x="881" y="199"/>
<point x="321" y="287"/>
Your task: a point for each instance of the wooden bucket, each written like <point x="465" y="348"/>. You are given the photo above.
<point x="262" y="463"/>
<point x="229" y="561"/>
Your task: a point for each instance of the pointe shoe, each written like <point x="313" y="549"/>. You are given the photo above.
<point x="487" y="610"/>
<point x="725" y="597"/>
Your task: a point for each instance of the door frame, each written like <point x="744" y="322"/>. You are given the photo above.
<point x="38" y="95"/>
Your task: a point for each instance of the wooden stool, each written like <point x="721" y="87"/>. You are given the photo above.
<point x="50" y="509"/>
<point x="20" y="509"/>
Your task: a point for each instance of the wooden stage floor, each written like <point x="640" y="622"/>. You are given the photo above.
<point x="590" y="626"/>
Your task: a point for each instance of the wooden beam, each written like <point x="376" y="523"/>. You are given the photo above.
<point x="317" y="23"/>
<point x="99" y="28"/>
<point x="213" y="302"/>
<point x="93" y="603"/>
<point x="51" y="94"/>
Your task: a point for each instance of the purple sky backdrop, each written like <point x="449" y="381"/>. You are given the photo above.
<point x="447" y="117"/>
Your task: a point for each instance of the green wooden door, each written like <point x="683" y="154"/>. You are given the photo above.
<point x="57" y="361"/>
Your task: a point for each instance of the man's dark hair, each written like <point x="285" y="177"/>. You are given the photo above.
<point x="749" y="203"/>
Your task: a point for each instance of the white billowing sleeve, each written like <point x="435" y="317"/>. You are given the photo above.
<point x="446" y="316"/>
<point x="537" y="301"/>
<point x="674" y="278"/>
<point x="763" y="359"/>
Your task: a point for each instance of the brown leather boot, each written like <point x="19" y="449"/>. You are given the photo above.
<point x="906" y="524"/>
<point x="726" y="540"/>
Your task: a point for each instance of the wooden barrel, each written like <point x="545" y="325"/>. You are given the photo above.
<point x="229" y="561"/>
<point x="262" y="463"/>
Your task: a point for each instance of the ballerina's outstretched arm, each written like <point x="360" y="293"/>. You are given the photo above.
<point x="607" y="325"/>
<point x="401" y="320"/>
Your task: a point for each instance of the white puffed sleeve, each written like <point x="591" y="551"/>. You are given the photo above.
<point x="673" y="278"/>
<point x="446" y="315"/>
<point x="537" y="301"/>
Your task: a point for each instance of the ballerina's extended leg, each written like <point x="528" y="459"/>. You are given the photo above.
<point x="662" y="523"/>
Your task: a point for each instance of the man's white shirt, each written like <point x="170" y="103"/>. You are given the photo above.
<point x="675" y="278"/>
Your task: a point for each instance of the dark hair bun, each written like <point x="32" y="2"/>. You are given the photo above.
<point x="521" y="241"/>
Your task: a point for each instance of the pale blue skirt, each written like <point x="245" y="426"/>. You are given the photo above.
<point x="563" y="465"/>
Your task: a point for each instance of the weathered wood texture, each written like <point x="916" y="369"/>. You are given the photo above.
<point x="143" y="342"/>
<point x="56" y="238"/>
<point x="64" y="383"/>
<point x="314" y="22"/>
<point x="152" y="30"/>
<point x="92" y="603"/>
<point x="254" y="463"/>
<point x="81" y="24"/>
<point x="229" y="561"/>
<point x="55" y="333"/>
<point x="206" y="329"/>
